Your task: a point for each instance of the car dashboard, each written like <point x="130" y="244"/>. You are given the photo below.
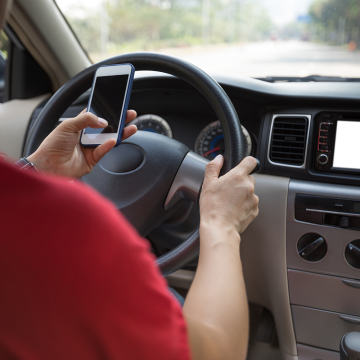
<point x="301" y="256"/>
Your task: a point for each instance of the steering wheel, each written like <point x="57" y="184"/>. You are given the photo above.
<point x="149" y="176"/>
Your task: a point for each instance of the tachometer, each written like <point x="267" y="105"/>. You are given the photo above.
<point x="210" y="141"/>
<point x="153" y="123"/>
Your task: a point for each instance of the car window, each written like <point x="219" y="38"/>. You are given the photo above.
<point x="257" y="38"/>
<point x="4" y="41"/>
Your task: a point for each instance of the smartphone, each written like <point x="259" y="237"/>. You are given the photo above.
<point x="109" y="99"/>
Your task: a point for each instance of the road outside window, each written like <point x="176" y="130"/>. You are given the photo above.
<point x="256" y="38"/>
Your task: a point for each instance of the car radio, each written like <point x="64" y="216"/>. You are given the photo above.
<point x="338" y="143"/>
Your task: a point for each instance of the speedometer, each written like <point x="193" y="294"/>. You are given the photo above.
<point x="153" y="123"/>
<point x="210" y="141"/>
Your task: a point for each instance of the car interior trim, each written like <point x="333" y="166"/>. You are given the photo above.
<point x="352" y="283"/>
<point x="334" y="212"/>
<point x="311" y="353"/>
<point x="14" y="121"/>
<point x="350" y="319"/>
<point x="265" y="270"/>
<point x="268" y="93"/>
<point x="42" y="29"/>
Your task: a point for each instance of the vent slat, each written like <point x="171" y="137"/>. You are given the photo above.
<point x="287" y="159"/>
<point x="288" y="140"/>
<point x="298" y="127"/>
<point x="292" y="131"/>
<point x="289" y="123"/>
<point x="293" y="142"/>
<point x="288" y="147"/>
<point x="285" y="153"/>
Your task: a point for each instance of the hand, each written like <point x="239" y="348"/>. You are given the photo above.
<point x="61" y="153"/>
<point x="229" y="202"/>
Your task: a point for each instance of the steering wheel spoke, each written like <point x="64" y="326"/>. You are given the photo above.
<point x="188" y="180"/>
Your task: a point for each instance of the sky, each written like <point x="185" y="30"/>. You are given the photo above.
<point x="285" y="11"/>
<point x="281" y="11"/>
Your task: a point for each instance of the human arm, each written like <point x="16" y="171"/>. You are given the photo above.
<point x="216" y="309"/>
<point x="61" y="152"/>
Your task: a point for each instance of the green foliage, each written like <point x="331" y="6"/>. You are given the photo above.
<point x="336" y="21"/>
<point x="135" y="25"/>
<point x="3" y="43"/>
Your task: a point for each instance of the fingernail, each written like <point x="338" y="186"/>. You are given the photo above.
<point x="219" y="156"/>
<point x="102" y="121"/>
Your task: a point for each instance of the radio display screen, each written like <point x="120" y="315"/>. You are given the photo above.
<point x="347" y="145"/>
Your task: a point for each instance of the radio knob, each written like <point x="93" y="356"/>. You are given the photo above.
<point x="322" y="159"/>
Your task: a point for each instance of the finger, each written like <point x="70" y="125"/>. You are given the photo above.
<point x="103" y="149"/>
<point x="83" y="111"/>
<point x="83" y="121"/>
<point x="213" y="168"/>
<point x="130" y="116"/>
<point x="247" y="165"/>
<point x="129" y="131"/>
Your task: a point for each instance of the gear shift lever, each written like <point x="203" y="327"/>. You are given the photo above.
<point x="350" y="346"/>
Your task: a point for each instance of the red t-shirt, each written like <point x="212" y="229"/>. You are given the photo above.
<point x="76" y="280"/>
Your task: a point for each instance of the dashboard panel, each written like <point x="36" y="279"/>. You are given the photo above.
<point x="256" y="102"/>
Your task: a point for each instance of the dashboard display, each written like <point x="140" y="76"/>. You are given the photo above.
<point x="347" y="145"/>
<point x="210" y="141"/>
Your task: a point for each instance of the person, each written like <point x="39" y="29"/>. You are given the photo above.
<point x="78" y="282"/>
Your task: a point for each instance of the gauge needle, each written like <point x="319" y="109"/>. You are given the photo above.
<point x="211" y="151"/>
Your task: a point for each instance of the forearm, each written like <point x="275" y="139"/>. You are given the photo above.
<point x="216" y="307"/>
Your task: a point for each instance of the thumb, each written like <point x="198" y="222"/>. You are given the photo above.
<point x="213" y="168"/>
<point x="83" y="121"/>
<point x="103" y="149"/>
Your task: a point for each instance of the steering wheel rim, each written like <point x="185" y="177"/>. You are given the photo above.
<point x="207" y="86"/>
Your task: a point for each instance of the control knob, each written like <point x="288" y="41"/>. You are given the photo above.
<point x="350" y="346"/>
<point x="322" y="159"/>
<point x="352" y="254"/>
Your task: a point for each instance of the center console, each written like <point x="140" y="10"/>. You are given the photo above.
<point x="323" y="260"/>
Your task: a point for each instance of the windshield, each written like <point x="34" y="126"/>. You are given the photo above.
<point x="256" y="38"/>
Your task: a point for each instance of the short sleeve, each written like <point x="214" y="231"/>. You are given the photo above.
<point x="79" y="282"/>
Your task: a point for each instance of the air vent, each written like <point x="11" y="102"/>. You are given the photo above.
<point x="288" y="140"/>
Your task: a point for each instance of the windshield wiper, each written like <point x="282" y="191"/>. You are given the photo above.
<point x="311" y="78"/>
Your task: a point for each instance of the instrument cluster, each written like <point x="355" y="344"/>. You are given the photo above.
<point x="209" y="142"/>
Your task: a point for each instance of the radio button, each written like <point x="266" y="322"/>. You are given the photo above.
<point x="323" y="147"/>
<point x="328" y="116"/>
<point x="312" y="217"/>
<point x="325" y="126"/>
<point x="322" y="159"/>
<point x="304" y="202"/>
<point x="338" y="205"/>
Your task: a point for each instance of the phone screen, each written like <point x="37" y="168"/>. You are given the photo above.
<point x="107" y="101"/>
